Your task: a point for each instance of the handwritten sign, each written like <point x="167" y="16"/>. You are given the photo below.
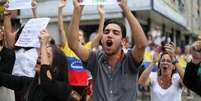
<point x="19" y="4"/>
<point x="98" y="2"/>
<point x="31" y="32"/>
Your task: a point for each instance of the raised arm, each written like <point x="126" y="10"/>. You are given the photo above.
<point x="62" y="34"/>
<point x="137" y="33"/>
<point x="59" y="88"/>
<point x="95" y="41"/>
<point x="9" y="35"/>
<point x="73" y="33"/>
<point x="144" y="77"/>
<point x="34" y="8"/>
<point x="44" y="42"/>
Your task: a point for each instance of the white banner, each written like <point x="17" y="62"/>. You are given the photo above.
<point x="31" y="31"/>
<point x="98" y="2"/>
<point x="19" y="4"/>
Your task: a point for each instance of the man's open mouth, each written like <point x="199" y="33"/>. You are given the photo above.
<point x="109" y="43"/>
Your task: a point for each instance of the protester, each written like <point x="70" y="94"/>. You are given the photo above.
<point x="49" y="83"/>
<point x="10" y="29"/>
<point x="114" y="71"/>
<point x="192" y="75"/>
<point x="25" y="56"/>
<point x="7" y="59"/>
<point x="165" y="83"/>
<point x="78" y="75"/>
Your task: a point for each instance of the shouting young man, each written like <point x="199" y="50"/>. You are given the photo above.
<point x="114" y="72"/>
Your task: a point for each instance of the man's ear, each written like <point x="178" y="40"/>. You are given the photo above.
<point x="123" y="41"/>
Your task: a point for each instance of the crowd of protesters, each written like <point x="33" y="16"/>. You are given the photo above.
<point x="104" y="69"/>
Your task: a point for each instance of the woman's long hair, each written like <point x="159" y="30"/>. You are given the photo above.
<point x="59" y="63"/>
<point x="57" y="69"/>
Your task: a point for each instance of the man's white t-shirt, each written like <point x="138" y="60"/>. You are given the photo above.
<point x="173" y="93"/>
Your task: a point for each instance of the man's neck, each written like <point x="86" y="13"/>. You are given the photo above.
<point x="114" y="59"/>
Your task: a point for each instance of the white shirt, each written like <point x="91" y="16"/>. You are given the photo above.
<point x="173" y="93"/>
<point x="25" y="62"/>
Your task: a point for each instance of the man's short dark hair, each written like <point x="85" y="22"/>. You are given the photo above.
<point x="122" y="26"/>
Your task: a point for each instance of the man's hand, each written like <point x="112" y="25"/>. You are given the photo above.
<point x="62" y="3"/>
<point x="77" y="5"/>
<point x="123" y="4"/>
<point x="101" y="10"/>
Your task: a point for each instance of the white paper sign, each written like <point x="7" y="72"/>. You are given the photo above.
<point x="31" y="31"/>
<point x="19" y="4"/>
<point x="98" y="2"/>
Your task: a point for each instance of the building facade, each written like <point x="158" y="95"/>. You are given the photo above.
<point x="173" y="18"/>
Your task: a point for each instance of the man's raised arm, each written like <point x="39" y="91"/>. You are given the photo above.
<point x="96" y="40"/>
<point x="138" y="35"/>
<point x="73" y="33"/>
